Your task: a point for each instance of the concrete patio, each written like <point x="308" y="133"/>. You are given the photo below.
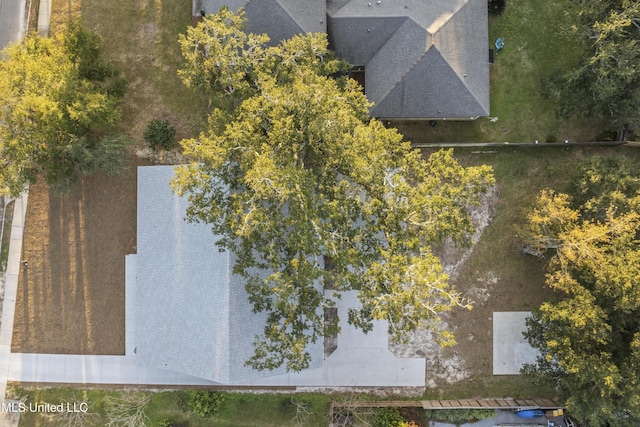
<point x="510" y="349"/>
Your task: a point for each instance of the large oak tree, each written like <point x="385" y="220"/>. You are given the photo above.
<point x="309" y="192"/>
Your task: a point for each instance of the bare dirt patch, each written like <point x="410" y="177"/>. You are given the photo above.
<point x="71" y="291"/>
<point x="446" y="365"/>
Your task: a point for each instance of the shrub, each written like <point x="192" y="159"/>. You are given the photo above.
<point x="165" y="422"/>
<point x="160" y="134"/>
<point x="84" y="47"/>
<point x="205" y="403"/>
<point x="496" y="7"/>
<point x="388" y="417"/>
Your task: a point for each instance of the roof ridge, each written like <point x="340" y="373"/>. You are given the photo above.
<point x="446" y="60"/>
<point x="335" y="12"/>
<point x="449" y="18"/>
<point x="287" y="12"/>
<point x="412" y="66"/>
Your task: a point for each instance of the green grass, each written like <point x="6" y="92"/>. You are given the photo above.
<point x="520" y="286"/>
<point x="6" y="235"/>
<point x="141" y="40"/>
<point x="520" y="174"/>
<point x="246" y="409"/>
<point x="535" y="46"/>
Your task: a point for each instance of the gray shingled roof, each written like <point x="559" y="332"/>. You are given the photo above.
<point x="192" y="314"/>
<point x="422" y="59"/>
<point x="280" y="19"/>
<point x="434" y="63"/>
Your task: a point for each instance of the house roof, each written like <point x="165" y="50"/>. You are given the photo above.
<point x="192" y="313"/>
<point x="280" y="19"/>
<point x="422" y="59"/>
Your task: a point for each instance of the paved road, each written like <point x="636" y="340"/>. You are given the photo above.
<point x="12" y="17"/>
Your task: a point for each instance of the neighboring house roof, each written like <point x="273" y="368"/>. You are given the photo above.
<point x="280" y="19"/>
<point x="193" y="314"/>
<point x="422" y="59"/>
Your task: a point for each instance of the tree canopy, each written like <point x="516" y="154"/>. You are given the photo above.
<point x="590" y="339"/>
<point x="606" y="82"/>
<point x="309" y="193"/>
<point x="58" y="104"/>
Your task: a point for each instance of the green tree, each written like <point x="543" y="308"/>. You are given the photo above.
<point x="307" y="191"/>
<point x="603" y="182"/>
<point x="590" y="339"/>
<point x="606" y="82"/>
<point x="54" y="119"/>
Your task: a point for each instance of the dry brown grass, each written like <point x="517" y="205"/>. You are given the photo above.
<point x="71" y="294"/>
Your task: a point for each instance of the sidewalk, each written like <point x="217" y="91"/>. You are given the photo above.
<point x="11" y="290"/>
<point x="9" y="304"/>
<point x="12" y="21"/>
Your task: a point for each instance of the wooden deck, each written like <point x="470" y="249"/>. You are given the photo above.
<point x="512" y="404"/>
<point x="491" y="404"/>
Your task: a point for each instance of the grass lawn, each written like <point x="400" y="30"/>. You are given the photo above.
<point x="7" y="220"/>
<point x="246" y="409"/>
<point x="534" y="47"/>
<point x="497" y="274"/>
<point x="141" y="38"/>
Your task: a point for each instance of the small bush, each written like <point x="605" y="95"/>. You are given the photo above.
<point x="117" y="87"/>
<point x="388" y="417"/>
<point x="496" y="7"/>
<point x="205" y="403"/>
<point x="165" y="422"/>
<point x="160" y="134"/>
